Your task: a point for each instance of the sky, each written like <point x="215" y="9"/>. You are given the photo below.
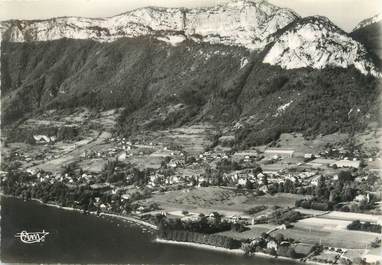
<point x="345" y="13"/>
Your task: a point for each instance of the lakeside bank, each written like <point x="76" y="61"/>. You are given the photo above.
<point x="236" y="252"/>
<point x="130" y="219"/>
<point x="117" y="216"/>
<point x="203" y="246"/>
<point x="76" y="238"/>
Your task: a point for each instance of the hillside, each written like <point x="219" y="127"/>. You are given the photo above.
<point x="162" y="86"/>
<point x="251" y="68"/>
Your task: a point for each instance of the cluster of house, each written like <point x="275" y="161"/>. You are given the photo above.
<point x="246" y="155"/>
<point x="44" y="139"/>
<point x="123" y="149"/>
<point x="123" y="144"/>
<point x="341" y="153"/>
<point x="281" y="246"/>
<point x="157" y="180"/>
<point x="209" y="156"/>
<point x="124" y="194"/>
<point x="239" y="177"/>
<point x="43" y="176"/>
<point x="21" y="156"/>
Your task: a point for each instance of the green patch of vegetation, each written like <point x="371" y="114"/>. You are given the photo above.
<point x="365" y="226"/>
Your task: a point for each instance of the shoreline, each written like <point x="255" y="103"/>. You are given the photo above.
<point x="120" y="217"/>
<point x="197" y="245"/>
<point x="234" y="251"/>
<point x="130" y="219"/>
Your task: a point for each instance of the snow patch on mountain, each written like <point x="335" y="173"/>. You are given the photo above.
<point x="243" y="62"/>
<point x="245" y="23"/>
<point x="172" y="39"/>
<point x="281" y="109"/>
<point x="317" y="43"/>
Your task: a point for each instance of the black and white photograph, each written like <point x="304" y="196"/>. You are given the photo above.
<point x="206" y="132"/>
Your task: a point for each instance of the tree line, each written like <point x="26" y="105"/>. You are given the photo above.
<point x="200" y="238"/>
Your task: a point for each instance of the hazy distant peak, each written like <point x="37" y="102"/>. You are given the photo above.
<point x="369" y="21"/>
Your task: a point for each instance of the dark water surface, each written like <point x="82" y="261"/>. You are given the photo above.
<point x="77" y="238"/>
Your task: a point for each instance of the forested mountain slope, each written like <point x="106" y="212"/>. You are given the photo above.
<point x="162" y="86"/>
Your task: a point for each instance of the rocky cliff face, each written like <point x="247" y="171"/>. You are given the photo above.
<point x="317" y="43"/>
<point x="311" y="42"/>
<point x="242" y="22"/>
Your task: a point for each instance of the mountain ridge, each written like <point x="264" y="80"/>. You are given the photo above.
<point x="369" y="33"/>
<point x="235" y="23"/>
<point x="368" y="21"/>
<point x="252" y="24"/>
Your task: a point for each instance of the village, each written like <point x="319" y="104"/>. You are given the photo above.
<point x="322" y="206"/>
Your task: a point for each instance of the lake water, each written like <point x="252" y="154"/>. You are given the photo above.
<point x="78" y="238"/>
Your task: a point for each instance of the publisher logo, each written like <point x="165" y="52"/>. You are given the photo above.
<point x="32" y="237"/>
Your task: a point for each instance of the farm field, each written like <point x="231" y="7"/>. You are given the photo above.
<point x="370" y="139"/>
<point x="305" y="234"/>
<point x="219" y="199"/>
<point x="353" y="216"/>
<point x="329" y="232"/>
<point x="253" y="232"/>
<point x="323" y="223"/>
<point x="302" y="145"/>
<point x="145" y="161"/>
<point x="55" y="165"/>
<point x="193" y="139"/>
<point x="310" y="211"/>
<point x="333" y="238"/>
<point x="93" y="165"/>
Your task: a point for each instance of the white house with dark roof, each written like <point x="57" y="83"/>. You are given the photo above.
<point x="281" y="152"/>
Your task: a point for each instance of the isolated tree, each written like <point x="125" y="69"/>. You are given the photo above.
<point x="345" y="176"/>
<point x="279" y="238"/>
<point x="265" y="180"/>
<point x="248" y="185"/>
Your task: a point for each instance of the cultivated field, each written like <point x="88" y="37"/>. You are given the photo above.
<point x="208" y="199"/>
<point x="345" y="216"/>
<point x="302" y="146"/>
<point x="55" y="165"/>
<point x="332" y="238"/>
<point x="253" y="232"/>
<point x="193" y="139"/>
